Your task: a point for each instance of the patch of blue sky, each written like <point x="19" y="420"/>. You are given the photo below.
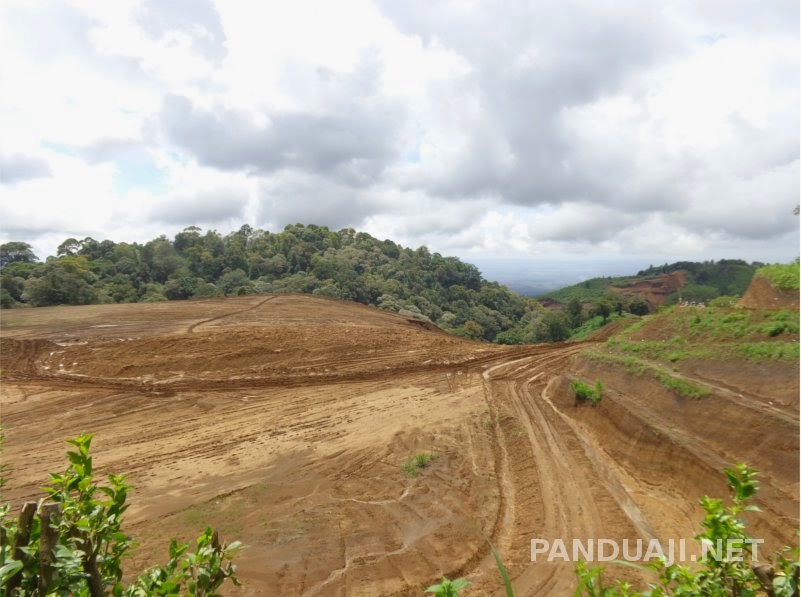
<point x="138" y="174"/>
<point x="62" y="148"/>
<point x="413" y="156"/>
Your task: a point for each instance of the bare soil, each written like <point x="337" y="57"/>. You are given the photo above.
<point x="656" y="290"/>
<point x="283" y="421"/>
<point x="761" y="294"/>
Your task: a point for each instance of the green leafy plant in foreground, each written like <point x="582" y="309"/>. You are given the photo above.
<point x="448" y="588"/>
<point x="718" y="575"/>
<point x="72" y="543"/>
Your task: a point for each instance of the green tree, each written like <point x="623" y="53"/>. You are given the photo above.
<point x="638" y="306"/>
<point x="69" y="248"/>
<point x="180" y="288"/>
<point x="235" y="282"/>
<point x="601" y="308"/>
<point x="65" y="281"/>
<point x="575" y="312"/>
<point x="15" y="251"/>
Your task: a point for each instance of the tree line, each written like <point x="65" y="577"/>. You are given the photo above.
<point x="343" y="264"/>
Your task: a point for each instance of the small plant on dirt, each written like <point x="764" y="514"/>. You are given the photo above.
<point x="719" y="574"/>
<point x="72" y="543"/>
<point x="448" y="588"/>
<point x="418" y="461"/>
<point x="584" y="391"/>
<point x="413" y="464"/>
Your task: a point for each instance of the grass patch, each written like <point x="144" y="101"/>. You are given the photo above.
<point x="784" y="276"/>
<point x="770" y="351"/>
<point x="416" y="462"/>
<point x="638" y="367"/>
<point x="673" y="350"/>
<point x="595" y="323"/>
<point x="635" y="326"/>
<point x="724" y="301"/>
<point x="681" y="387"/>
<point x="714" y="324"/>
<point x="631" y="364"/>
<point x="585" y="391"/>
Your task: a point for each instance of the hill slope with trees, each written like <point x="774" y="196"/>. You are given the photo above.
<point x="703" y="281"/>
<point x="343" y="264"/>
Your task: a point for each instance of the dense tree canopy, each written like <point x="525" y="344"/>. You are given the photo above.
<point x="346" y="264"/>
<point x="16" y="252"/>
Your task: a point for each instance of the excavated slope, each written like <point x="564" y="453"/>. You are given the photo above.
<point x="283" y="421"/>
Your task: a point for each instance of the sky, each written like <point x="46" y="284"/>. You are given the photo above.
<point x="567" y="131"/>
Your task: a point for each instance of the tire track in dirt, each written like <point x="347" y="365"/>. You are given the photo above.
<point x="547" y="473"/>
<point x="298" y="451"/>
<point x="192" y="327"/>
<point x="23" y="370"/>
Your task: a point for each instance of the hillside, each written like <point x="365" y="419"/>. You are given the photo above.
<point x="665" y="284"/>
<point x="774" y="286"/>
<point x="310" y="259"/>
<point x="285" y="420"/>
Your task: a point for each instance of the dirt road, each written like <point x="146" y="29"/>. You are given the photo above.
<point x="284" y="422"/>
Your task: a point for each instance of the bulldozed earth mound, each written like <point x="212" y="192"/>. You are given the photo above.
<point x="761" y="294"/>
<point x="654" y="291"/>
<point x="285" y="421"/>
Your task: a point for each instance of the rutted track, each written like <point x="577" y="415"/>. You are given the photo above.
<point x="286" y="423"/>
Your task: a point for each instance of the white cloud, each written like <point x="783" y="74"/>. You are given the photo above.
<point x="479" y="128"/>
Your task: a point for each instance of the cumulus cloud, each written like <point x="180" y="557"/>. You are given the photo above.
<point x="16" y="167"/>
<point x="482" y="128"/>
<point x="197" y="19"/>
<point x="205" y="207"/>
<point x="351" y="140"/>
<point x="292" y="197"/>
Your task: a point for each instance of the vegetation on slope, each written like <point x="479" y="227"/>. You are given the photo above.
<point x="705" y="281"/>
<point x="346" y="264"/>
<point x="678" y="334"/>
<point x="784" y="276"/>
<point x="728" y="564"/>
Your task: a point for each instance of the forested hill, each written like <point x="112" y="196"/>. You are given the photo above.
<point x="310" y="259"/>
<point x="703" y="281"/>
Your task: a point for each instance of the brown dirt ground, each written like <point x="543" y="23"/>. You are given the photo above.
<point x="283" y="421"/>
<point x="761" y="294"/>
<point x="654" y="290"/>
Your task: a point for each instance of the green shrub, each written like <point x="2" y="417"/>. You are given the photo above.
<point x="784" y="276"/>
<point x="587" y="392"/>
<point x="74" y="544"/>
<point x="718" y="575"/>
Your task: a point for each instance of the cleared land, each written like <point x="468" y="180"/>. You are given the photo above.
<point x="284" y="421"/>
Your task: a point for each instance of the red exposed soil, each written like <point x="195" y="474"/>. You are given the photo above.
<point x="761" y="294"/>
<point x="654" y="290"/>
<point x="283" y="421"/>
